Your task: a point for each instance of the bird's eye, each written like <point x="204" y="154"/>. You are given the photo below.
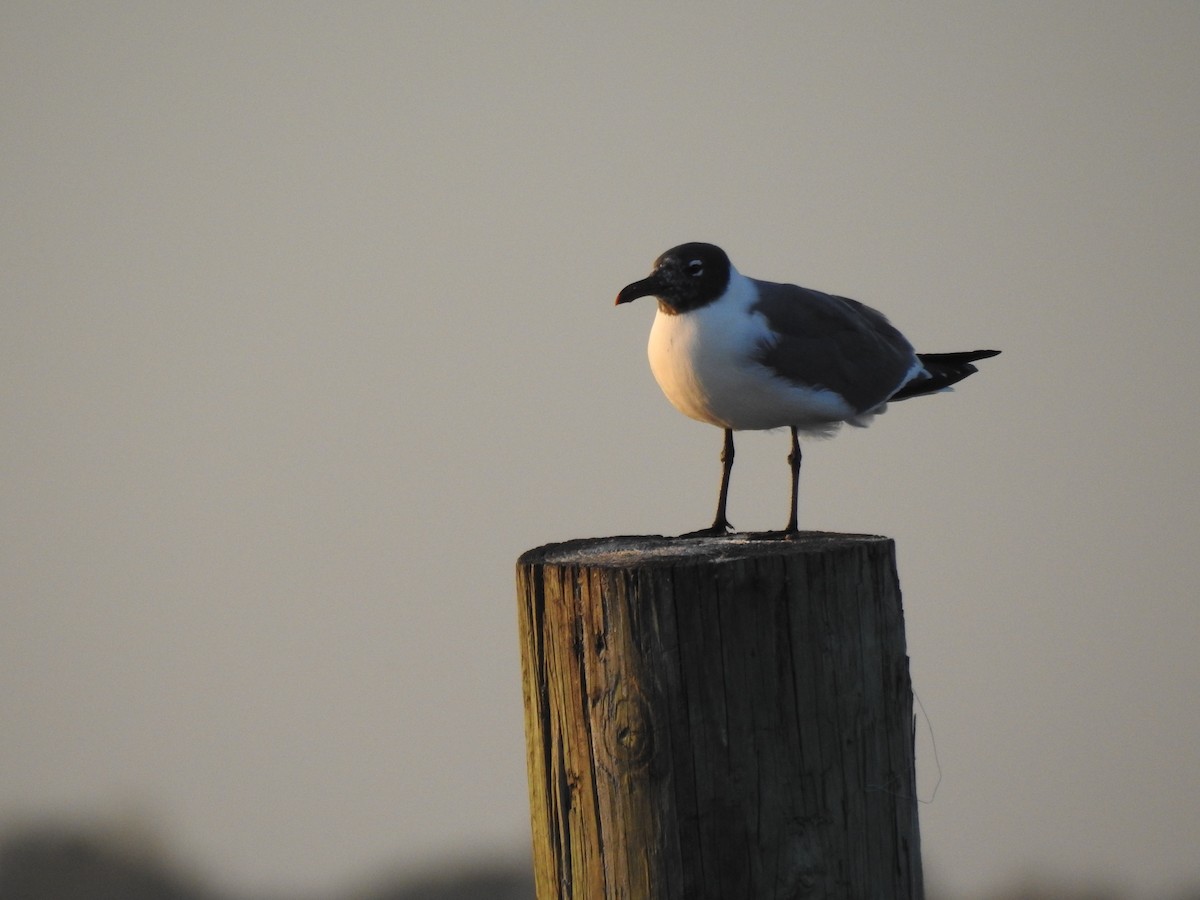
<point x="695" y="268"/>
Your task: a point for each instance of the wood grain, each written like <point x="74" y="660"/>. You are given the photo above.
<point x="718" y="718"/>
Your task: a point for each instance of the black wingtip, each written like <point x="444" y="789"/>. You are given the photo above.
<point x="955" y="359"/>
<point x="944" y="370"/>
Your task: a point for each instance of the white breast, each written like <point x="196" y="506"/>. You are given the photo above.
<point x="704" y="361"/>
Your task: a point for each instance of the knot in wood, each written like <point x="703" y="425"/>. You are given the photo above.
<point x="629" y="732"/>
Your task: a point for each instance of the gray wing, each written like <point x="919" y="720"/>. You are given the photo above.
<point x="834" y="343"/>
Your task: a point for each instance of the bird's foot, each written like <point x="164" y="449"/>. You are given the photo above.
<point x="719" y="528"/>
<point x="788" y="534"/>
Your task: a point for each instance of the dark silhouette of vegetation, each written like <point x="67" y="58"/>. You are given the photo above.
<point x="65" y="864"/>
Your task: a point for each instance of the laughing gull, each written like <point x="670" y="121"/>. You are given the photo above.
<point x="747" y="355"/>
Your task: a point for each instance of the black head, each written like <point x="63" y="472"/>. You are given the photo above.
<point x="684" y="278"/>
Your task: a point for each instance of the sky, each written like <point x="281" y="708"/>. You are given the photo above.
<point x="307" y="332"/>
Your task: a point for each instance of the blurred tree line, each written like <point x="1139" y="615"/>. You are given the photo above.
<point x="58" y="864"/>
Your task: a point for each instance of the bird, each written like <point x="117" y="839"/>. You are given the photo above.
<point x="747" y="355"/>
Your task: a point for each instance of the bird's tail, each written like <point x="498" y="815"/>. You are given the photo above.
<point x="941" y="371"/>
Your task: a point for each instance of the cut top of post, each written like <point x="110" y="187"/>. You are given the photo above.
<point x="630" y="551"/>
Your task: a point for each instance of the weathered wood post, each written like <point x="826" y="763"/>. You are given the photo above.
<point x="720" y="718"/>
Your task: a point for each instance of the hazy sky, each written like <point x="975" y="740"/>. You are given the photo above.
<point x="308" y="332"/>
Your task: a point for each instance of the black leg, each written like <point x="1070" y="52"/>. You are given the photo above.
<point x="793" y="525"/>
<point x="720" y="524"/>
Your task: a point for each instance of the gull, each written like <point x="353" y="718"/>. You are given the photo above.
<point x="748" y="355"/>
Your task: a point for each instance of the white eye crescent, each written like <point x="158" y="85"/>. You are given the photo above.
<point x="695" y="268"/>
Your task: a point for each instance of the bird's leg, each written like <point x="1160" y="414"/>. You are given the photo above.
<point x="720" y="524"/>
<point x="793" y="525"/>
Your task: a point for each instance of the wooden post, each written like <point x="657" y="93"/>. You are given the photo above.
<point x="718" y="718"/>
